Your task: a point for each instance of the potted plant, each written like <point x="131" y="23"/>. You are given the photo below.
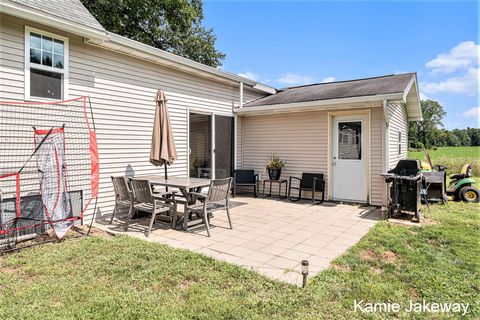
<point x="197" y="163"/>
<point x="274" y="166"/>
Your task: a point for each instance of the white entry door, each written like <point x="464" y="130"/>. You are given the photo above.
<point x="349" y="164"/>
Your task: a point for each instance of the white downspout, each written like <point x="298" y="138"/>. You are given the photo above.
<point x="241" y="94"/>
<point x="386" y="165"/>
<point x="235" y="125"/>
<point x="387" y="136"/>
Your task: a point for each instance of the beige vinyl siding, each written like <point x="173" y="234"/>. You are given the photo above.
<point x="301" y="139"/>
<point x="298" y="138"/>
<point x="249" y="95"/>
<point x="122" y="91"/>
<point x="11" y="62"/>
<point x="398" y="122"/>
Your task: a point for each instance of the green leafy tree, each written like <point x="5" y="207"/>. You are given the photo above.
<point x="171" y="25"/>
<point x="422" y="133"/>
<point x="474" y="134"/>
<point x="440" y="138"/>
<point x="453" y="140"/>
<point x="463" y="136"/>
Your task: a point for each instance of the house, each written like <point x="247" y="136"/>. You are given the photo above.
<point x="351" y="131"/>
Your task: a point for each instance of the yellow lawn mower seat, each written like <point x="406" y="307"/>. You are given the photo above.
<point x="465" y="173"/>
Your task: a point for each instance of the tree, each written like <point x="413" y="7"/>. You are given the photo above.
<point x="441" y="138"/>
<point x="425" y="131"/>
<point x="171" y="25"/>
<point x="453" y="140"/>
<point x="474" y="134"/>
<point x="463" y="136"/>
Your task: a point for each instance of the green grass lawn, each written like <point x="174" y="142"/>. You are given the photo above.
<point x="452" y="157"/>
<point x="126" y="278"/>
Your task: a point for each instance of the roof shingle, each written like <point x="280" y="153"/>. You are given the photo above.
<point x="70" y="10"/>
<point x="336" y="90"/>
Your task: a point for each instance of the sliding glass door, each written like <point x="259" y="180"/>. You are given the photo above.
<point x="223" y="147"/>
<point x="200" y="139"/>
<point x="211" y="146"/>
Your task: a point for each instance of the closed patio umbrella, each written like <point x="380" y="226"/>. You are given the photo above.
<point x="162" y="150"/>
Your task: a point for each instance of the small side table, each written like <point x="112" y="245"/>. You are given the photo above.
<point x="280" y="183"/>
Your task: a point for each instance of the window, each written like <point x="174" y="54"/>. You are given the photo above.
<point x="350" y="140"/>
<point x="46" y="65"/>
<point x="399" y="142"/>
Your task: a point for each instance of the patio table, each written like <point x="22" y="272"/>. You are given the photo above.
<point x="279" y="182"/>
<point x="185" y="185"/>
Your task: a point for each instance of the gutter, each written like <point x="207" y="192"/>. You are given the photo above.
<point x="30" y="14"/>
<point x="315" y="105"/>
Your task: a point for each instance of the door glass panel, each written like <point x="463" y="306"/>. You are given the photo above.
<point x="223" y="146"/>
<point x="350" y="140"/>
<point x="200" y="146"/>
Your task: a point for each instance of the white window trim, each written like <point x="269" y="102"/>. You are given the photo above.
<point x="64" y="71"/>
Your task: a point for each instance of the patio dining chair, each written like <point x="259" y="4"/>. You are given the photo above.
<point x="217" y="198"/>
<point x="123" y="195"/>
<point x="155" y="204"/>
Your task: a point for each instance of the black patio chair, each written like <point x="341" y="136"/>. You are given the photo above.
<point x="312" y="182"/>
<point x="245" y="178"/>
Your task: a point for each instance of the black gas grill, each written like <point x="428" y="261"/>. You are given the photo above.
<point x="405" y="189"/>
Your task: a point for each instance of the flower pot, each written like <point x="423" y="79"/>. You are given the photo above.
<point x="274" y="174"/>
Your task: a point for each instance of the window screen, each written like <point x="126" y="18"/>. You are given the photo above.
<point x="45" y="84"/>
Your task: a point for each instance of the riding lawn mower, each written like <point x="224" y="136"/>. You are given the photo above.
<point x="460" y="188"/>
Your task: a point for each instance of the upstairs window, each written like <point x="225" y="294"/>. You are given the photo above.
<point x="46" y="65"/>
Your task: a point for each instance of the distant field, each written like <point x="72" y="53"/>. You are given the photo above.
<point x="448" y="152"/>
<point x="452" y="157"/>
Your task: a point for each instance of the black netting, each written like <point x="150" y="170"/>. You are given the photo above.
<point x="45" y="166"/>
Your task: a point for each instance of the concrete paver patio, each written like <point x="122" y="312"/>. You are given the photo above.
<point x="269" y="236"/>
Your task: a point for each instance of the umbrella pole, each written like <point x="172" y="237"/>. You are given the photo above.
<point x="166" y="177"/>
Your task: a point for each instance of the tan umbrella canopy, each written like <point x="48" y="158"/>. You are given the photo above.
<point x="162" y="150"/>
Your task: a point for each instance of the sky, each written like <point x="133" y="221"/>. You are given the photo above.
<point x="290" y="43"/>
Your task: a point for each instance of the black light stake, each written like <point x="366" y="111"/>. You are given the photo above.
<point x="304" y="272"/>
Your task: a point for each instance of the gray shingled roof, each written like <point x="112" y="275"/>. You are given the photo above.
<point x="71" y="10"/>
<point x="337" y="90"/>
